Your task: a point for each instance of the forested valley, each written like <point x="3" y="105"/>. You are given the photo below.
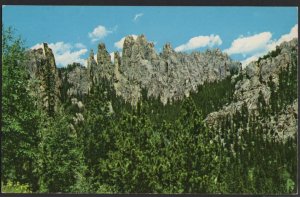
<point x="99" y="142"/>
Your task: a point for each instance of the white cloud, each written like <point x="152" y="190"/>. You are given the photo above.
<point x="98" y="33"/>
<point x="284" y="38"/>
<point x="250" y="44"/>
<point x="65" y="53"/>
<point x="80" y="46"/>
<point x="263" y="47"/>
<point x="137" y="16"/>
<point x="119" y="44"/>
<point x="200" y="41"/>
<point x="288" y="37"/>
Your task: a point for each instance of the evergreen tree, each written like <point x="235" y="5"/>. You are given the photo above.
<point x="60" y="159"/>
<point x="20" y="136"/>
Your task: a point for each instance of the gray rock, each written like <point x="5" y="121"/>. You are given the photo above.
<point x="44" y="82"/>
<point x="169" y="75"/>
<point x="254" y="80"/>
<point x="91" y="66"/>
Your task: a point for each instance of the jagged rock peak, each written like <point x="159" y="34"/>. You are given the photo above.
<point x="91" y="65"/>
<point x="44" y="52"/>
<point x="42" y="67"/>
<point x="91" y="60"/>
<point x="138" y="48"/>
<point x="127" y="45"/>
<point x="47" y="53"/>
<point x="101" y="46"/>
<point x="92" y="54"/>
<point x="142" y="40"/>
<point x="167" y="50"/>
<point x="103" y="56"/>
<point x="129" y="40"/>
<point x="151" y="45"/>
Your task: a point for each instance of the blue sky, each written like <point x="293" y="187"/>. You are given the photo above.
<point x="243" y="32"/>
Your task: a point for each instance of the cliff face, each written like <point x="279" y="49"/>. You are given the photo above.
<point x="169" y="75"/>
<point x="45" y="82"/>
<point x="102" y="68"/>
<point x="75" y="81"/>
<point x="266" y="81"/>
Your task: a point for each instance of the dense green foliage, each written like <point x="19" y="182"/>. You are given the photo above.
<point x="20" y="120"/>
<point x="148" y="148"/>
<point x="11" y="187"/>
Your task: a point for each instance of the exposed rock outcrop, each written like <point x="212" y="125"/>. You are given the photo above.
<point x="78" y="80"/>
<point x="44" y="82"/>
<point x="91" y="66"/>
<point x="169" y="75"/>
<point x="105" y="67"/>
<point x="254" y="82"/>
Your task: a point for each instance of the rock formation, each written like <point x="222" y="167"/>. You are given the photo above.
<point x="105" y="67"/>
<point x="254" y="82"/>
<point x="44" y="82"/>
<point x="168" y="76"/>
